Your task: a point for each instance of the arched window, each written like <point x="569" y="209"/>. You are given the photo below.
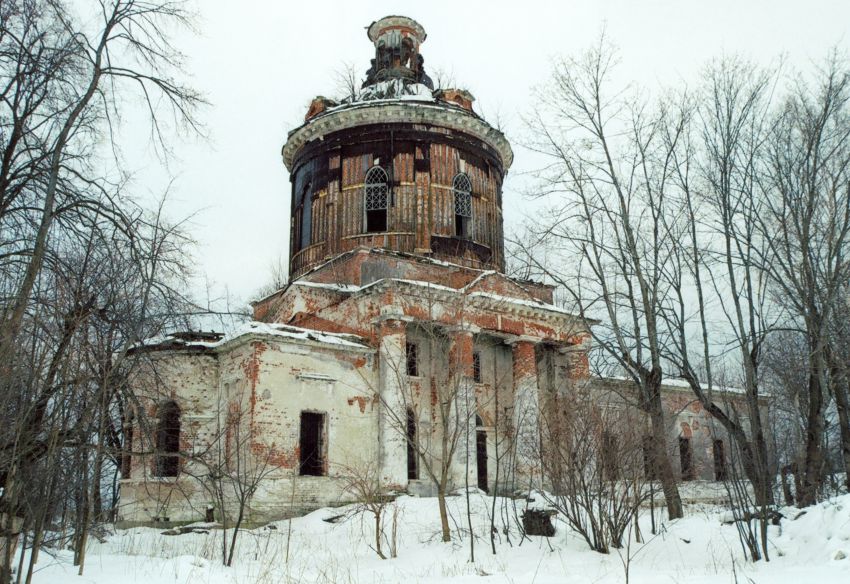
<point x="376" y="198"/>
<point x="686" y="459"/>
<point x="167" y="463"/>
<point x="462" y="188"/>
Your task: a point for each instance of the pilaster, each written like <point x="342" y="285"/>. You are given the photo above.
<point x="464" y="463"/>
<point x="392" y="418"/>
<point x="526" y="414"/>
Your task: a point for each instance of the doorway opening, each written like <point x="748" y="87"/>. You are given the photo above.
<point x="312" y="459"/>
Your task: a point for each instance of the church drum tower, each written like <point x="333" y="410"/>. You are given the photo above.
<point x="398" y="166"/>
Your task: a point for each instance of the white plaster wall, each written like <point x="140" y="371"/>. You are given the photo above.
<point x="268" y="383"/>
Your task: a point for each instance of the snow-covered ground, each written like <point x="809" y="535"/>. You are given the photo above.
<point x="697" y="549"/>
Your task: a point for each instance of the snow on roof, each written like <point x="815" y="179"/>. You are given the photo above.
<point x="479" y="277"/>
<point x="259" y="328"/>
<point x="394" y="89"/>
<point x="683" y="384"/>
<point x="531" y="303"/>
<point x="417" y="98"/>
<point x="328" y="286"/>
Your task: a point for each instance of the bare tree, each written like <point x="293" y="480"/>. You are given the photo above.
<point x="65" y="75"/>
<point x="105" y="293"/>
<point x="716" y="140"/>
<point x="603" y="239"/>
<point x="594" y="461"/>
<point x="348" y="81"/>
<point x="129" y="47"/>
<point x="839" y="361"/>
<point x="806" y="220"/>
<point x="444" y="360"/>
<point x="233" y="466"/>
<point x="363" y="483"/>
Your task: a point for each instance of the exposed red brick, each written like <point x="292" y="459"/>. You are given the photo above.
<point x="525" y="361"/>
<point x="361" y="402"/>
<point x="460" y="353"/>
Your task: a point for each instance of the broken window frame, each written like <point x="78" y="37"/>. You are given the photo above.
<point x="686" y="459"/>
<point x="411" y="352"/>
<point x="462" y="190"/>
<point x="167" y="441"/>
<point x="376" y="200"/>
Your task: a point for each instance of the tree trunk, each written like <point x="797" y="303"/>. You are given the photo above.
<point x="444" y="514"/>
<point x="662" y="462"/>
<point x="813" y="462"/>
<point x="378" y="536"/>
<point x="236" y="527"/>
<point x="842" y="391"/>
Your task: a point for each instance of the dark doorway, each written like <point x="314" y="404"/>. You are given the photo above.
<point x="412" y="459"/>
<point x="719" y="461"/>
<point x="481" y="458"/>
<point x="685" y="461"/>
<point x="312" y="444"/>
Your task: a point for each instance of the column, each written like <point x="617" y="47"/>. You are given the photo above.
<point x="392" y="416"/>
<point x="526" y="415"/>
<point x="464" y="463"/>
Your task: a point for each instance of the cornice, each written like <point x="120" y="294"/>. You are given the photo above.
<point x="399" y="111"/>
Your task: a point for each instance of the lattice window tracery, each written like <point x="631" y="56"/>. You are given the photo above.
<point x="376" y="189"/>
<point x="463" y="195"/>
<point x="462" y="188"/>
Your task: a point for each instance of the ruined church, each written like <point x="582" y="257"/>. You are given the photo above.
<point x="399" y="347"/>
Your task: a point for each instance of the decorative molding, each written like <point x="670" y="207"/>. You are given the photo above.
<point x="396" y="112"/>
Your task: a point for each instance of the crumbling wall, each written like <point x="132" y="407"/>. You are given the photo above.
<point x="189" y="378"/>
<point x="268" y="383"/>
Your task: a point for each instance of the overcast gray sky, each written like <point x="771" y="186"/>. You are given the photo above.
<point x="261" y="62"/>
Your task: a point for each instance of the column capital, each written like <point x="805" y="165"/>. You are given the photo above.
<point x="389" y="322"/>
<point x="521" y="339"/>
<point x="392" y="313"/>
<point x="462" y="328"/>
<point x="566" y="349"/>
